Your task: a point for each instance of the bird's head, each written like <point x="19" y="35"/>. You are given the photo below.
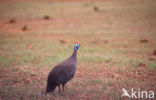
<point x="76" y="45"/>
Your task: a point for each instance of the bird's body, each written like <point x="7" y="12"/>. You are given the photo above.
<point x="62" y="73"/>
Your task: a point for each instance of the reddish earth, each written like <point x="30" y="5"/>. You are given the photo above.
<point x="56" y="0"/>
<point x="35" y="24"/>
<point x="26" y="25"/>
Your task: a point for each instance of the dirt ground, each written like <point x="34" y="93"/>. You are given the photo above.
<point x="118" y="47"/>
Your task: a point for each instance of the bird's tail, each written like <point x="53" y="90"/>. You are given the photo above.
<point x="50" y="88"/>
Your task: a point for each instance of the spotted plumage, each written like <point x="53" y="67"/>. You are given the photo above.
<point x="63" y="72"/>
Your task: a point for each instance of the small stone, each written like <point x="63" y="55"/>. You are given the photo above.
<point x="24" y="28"/>
<point x="143" y="40"/>
<point x="12" y="21"/>
<point x="138" y="73"/>
<point x="142" y="65"/>
<point x="154" y="52"/>
<point x="46" y="17"/>
<point x="62" y="41"/>
<point x="117" y="76"/>
<point x="28" y="80"/>
<point x="105" y="41"/>
<point x="96" y="8"/>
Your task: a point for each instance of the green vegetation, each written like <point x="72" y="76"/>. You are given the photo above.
<point x="111" y="56"/>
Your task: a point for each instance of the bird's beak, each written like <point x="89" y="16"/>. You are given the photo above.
<point x="77" y="42"/>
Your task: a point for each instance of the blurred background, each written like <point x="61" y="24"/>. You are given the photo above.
<point x="118" y="47"/>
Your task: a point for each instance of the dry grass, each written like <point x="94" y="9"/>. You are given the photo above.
<point x="111" y="56"/>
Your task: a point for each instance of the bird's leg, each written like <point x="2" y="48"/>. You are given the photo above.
<point x="48" y="96"/>
<point x="63" y="86"/>
<point x="59" y="88"/>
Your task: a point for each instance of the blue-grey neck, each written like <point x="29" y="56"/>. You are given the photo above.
<point x="75" y="48"/>
<point x="74" y="54"/>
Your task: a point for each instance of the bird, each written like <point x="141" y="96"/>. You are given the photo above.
<point x="63" y="72"/>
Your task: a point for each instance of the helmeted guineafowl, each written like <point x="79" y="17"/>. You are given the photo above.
<point x="63" y="72"/>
